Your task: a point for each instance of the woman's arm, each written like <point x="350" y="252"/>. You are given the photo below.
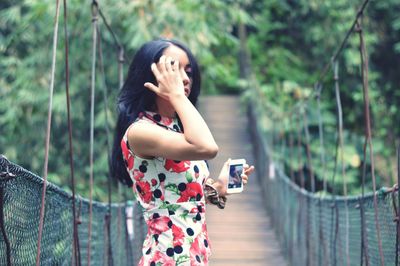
<point x="149" y="140"/>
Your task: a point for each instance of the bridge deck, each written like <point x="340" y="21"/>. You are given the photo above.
<point x="241" y="234"/>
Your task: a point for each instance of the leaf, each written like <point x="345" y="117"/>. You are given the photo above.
<point x="189" y="176"/>
<point x="173" y="188"/>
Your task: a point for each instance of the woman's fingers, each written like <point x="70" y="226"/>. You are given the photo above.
<point x="245" y="179"/>
<point x="168" y="64"/>
<point x="152" y="87"/>
<point x="248" y="170"/>
<point x="175" y="65"/>
<point x="155" y="71"/>
<point x="161" y="64"/>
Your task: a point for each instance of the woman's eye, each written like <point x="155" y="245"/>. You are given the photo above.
<point x="189" y="73"/>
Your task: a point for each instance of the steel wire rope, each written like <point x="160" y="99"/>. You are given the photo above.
<point x="312" y="180"/>
<point x="341" y="146"/>
<point x="94" y="8"/>
<point x="334" y="206"/>
<point x="300" y="151"/>
<point x="321" y="136"/>
<point x="291" y="143"/>
<point x="47" y="141"/>
<point x="121" y="60"/>
<point x="318" y="88"/>
<point x="308" y="150"/>
<point x="75" y="245"/>
<point x="368" y="133"/>
<point x="105" y="98"/>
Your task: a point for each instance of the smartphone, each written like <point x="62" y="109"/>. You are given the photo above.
<point x="235" y="184"/>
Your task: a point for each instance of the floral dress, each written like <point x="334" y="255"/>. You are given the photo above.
<point x="171" y="194"/>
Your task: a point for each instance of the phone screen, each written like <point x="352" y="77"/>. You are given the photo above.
<point x="235" y="180"/>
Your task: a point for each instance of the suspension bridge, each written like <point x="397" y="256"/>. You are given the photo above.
<point x="280" y="218"/>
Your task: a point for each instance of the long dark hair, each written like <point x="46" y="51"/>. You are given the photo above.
<point x="135" y="98"/>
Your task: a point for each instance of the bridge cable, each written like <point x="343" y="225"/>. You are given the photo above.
<point x="291" y="143"/>
<point x="299" y="151"/>
<point x="312" y="181"/>
<point x="321" y="135"/>
<point x="341" y="146"/>
<point x="364" y="75"/>
<point x="318" y="89"/>
<point x="47" y="141"/>
<point x="121" y="61"/>
<point x="308" y="150"/>
<point x="109" y="179"/>
<point x="93" y="81"/>
<point x="76" y="251"/>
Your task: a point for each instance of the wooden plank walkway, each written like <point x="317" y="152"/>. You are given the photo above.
<point x="241" y="234"/>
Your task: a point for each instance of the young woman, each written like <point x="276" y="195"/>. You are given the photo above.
<point x="160" y="145"/>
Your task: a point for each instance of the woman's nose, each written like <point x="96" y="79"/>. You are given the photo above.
<point x="185" y="78"/>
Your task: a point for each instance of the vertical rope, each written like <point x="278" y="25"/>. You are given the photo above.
<point x="309" y="159"/>
<point x="341" y="145"/>
<point x="93" y="81"/>
<point x="291" y="144"/>
<point x="321" y="136"/>
<point x="105" y="98"/>
<point x="334" y="207"/>
<point x="318" y="89"/>
<point x="364" y="241"/>
<point x="364" y="63"/>
<point x="299" y="153"/>
<point x="47" y="144"/>
<point x="121" y="82"/>
<point x="75" y="245"/>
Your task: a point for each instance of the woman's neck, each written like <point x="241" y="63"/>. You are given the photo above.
<point x="164" y="108"/>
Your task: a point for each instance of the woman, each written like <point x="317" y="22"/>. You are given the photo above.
<point x="160" y="145"/>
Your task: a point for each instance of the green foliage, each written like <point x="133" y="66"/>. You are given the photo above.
<point x="297" y="39"/>
<point x="26" y="38"/>
<point x="289" y="43"/>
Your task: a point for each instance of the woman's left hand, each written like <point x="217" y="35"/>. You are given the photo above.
<point x="248" y="170"/>
<point x="224" y="175"/>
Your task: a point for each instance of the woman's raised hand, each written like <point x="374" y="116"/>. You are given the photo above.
<point x="168" y="77"/>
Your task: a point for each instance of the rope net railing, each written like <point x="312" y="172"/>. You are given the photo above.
<point x="40" y="223"/>
<point x="317" y="226"/>
<point x="20" y="194"/>
<point x="312" y="229"/>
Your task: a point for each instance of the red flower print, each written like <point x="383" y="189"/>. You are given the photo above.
<point x="176" y="166"/>
<point x="127" y="156"/>
<point x="166" y="120"/>
<point x="193" y="190"/>
<point x="198" y="251"/>
<point x="164" y="259"/>
<point x="144" y="191"/>
<point x="137" y="175"/>
<point x="198" y="209"/>
<point x="158" y="225"/>
<point x="153" y="182"/>
<point x="178" y="235"/>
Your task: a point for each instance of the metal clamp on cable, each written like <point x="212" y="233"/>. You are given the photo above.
<point x="211" y="194"/>
<point x="6" y="174"/>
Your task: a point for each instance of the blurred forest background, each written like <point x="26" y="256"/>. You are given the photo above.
<point x="288" y="42"/>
